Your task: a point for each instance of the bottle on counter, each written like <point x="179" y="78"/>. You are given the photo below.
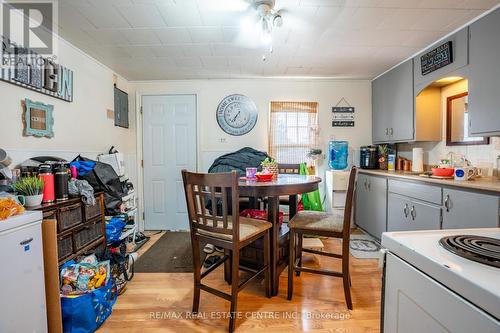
<point x="61" y="182"/>
<point x="46" y="175"/>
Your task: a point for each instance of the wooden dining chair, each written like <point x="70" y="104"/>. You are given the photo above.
<point x="215" y="226"/>
<point x="287" y="169"/>
<point x="327" y="225"/>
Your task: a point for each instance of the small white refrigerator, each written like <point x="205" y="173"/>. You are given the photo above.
<point x="22" y="285"/>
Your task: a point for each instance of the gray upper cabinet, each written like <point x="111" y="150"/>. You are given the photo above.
<point x="371" y="203"/>
<point x="484" y="75"/>
<point x="463" y="209"/>
<point x="393" y="105"/>
<point x="380" y="117"/>
<point x="459" y="47"/>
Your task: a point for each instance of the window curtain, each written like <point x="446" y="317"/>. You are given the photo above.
<point x="293" y="130"/>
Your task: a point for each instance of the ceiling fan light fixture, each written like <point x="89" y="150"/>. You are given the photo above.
<point x="277" y="20"/>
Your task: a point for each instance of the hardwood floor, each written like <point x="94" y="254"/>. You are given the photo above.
<point x="161" y="302"/>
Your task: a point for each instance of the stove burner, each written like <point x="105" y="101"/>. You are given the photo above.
<point x="485" y="250"/>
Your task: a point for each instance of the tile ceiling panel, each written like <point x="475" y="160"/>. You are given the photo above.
<point x="186" y="39"/>
<point x="141" y="37"/>
<point x="142" y="16"/>
<point x="180" y="14"/>
<point x="103" y="16"/>
<point x="196" y="50"/>
<point x="173" y="35"/>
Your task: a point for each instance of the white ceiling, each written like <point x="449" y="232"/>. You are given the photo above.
<point x="189" y="39"/>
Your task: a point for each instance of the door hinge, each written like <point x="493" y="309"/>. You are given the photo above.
<point x="142" y="163"/>
<point x="141" y="109"/>
<point x="143" y="216"/>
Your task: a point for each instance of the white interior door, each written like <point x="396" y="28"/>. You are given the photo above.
<point x="169" y="145"/>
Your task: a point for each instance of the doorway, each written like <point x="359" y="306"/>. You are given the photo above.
<point x="169" y="145"/>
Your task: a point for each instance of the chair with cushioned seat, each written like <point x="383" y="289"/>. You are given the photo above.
<point x="213" y="225"/>
<point x="327" y="225"/>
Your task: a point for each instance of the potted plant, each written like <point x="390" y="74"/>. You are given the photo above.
<point x="31" y="188"/>
<point x="269" y="165"/>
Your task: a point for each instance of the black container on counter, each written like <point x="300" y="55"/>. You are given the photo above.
<point x="61" y="182"/>
<point x="368" y="157"/>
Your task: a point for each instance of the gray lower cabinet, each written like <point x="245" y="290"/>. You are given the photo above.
<point x="405" y="213"/>
<point x="484" y="77"/>
<point x="388" y="204"/>
<point x="371" y="203"/>
<point x="463" y="209"/>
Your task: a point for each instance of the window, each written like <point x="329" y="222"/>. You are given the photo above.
<point x="293" y="130"/>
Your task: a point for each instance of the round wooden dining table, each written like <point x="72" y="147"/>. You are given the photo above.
<point x="285" y="185"/>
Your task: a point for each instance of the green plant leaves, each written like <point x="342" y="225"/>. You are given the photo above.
<point x="29" y="186"/>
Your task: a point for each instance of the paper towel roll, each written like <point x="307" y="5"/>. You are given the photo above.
<point x="418" y="160"/>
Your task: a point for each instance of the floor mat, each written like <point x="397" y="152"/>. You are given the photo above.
<point x="364" y="247"/>
<point x="170" y="254"/>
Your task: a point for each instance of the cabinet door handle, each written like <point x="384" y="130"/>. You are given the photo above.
<point x="405" y="211"/>
<point x="413" y="213"/>
<point x="391" y="131"/>
<point x="365" y="185"/>
<point x="447" y="203"/>
<point x="386" y="131"/>
<point x="26" y="241"/>
<point x="369" y="186"/>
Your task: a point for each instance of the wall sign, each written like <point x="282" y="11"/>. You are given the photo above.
<point x="37" y="119"/>
<point x="237" y="114"/>
<point x="437" y="58"/>
<point x="343" y="116"/>
<point x="26" y="68"/>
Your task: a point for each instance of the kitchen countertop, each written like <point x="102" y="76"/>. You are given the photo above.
<point x="491" y="184"/>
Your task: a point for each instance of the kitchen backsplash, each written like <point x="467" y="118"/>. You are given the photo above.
<point x="483" y="156"/>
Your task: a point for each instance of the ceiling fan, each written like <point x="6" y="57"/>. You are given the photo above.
<point x="257" y="26"/>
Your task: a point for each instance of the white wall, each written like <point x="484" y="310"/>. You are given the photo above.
<point x="214" y="142"/>
<point x="80" y="126"/>
<point x="480" y="155"/>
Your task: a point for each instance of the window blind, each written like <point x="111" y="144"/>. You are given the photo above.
<point x="293" y="130"/>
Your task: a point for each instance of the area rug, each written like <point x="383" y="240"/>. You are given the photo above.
<point x="364" y="246"/>
<point x="170" y="254"/>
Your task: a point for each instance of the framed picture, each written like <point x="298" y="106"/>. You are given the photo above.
<point x="37" y="119"/>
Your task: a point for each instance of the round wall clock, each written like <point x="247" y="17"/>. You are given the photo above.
<point x="237" y="114"/>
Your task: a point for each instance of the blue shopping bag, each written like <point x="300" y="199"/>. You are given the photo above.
<point x="86" y="313"/>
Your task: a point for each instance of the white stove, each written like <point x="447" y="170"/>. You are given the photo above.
<point x="429" y="288"/>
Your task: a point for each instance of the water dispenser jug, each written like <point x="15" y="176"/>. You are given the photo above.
<point x="339" y="151"/>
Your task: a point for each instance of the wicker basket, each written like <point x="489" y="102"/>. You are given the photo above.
<point x="272" y="170"/>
